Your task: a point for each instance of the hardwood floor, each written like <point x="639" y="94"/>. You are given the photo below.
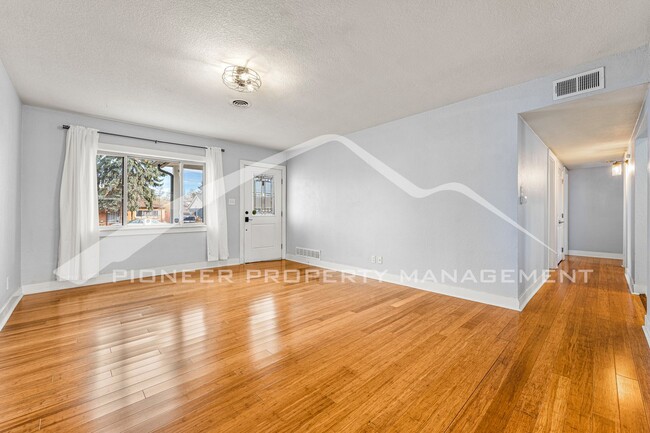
<point x="318" y="356"/>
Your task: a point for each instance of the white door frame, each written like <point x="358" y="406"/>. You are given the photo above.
<point x="283" y="216"/>
<point x="566" y="212"/>
<point x="551" y="211"/>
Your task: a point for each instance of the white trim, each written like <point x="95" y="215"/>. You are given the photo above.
<point x="443" y="289"/>
<point x="551" y="202"/>
<point x="120" y="150"/>
<point x="10" y="306"/>
<point x="628" y="280"/>
<point x="150" y="230"/>
<point x="531" y="291"/>
<point x="596" y="254"/>
<point x="50" y="286"/>
<point x="640" y="289"/>
<point x="242" y="164"/>
<point x="646" y="331"/>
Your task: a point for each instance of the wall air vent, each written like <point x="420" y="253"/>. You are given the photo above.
<point x="578" y="84"/>
<point x="307" y="252"/>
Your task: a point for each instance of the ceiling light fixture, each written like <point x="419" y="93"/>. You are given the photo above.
<point x="241" y="79"/>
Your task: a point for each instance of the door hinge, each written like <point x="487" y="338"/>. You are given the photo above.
<point x="562" y="250"/>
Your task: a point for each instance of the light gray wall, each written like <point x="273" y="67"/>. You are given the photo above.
<point x="533" y="177"/>
<point x="635" y="239"/>
<point x="9" y="189"/>
<point x="595" y="210"/>
<point x="43" y="143"/>
<point x="342" y="207"/>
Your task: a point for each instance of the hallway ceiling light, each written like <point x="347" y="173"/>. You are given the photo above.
<point x="241" y="79"/>
<point x="617" y="168"/>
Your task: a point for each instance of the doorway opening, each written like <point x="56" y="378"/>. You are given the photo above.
<point x="583" y="178"/>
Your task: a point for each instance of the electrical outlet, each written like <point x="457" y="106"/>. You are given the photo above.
<point x="372" y="259"/>
<point x="7" y="282"/>
<point x="380" y="259"/>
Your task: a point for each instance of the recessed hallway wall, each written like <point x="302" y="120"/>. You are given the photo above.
<point x="595" y="211"/>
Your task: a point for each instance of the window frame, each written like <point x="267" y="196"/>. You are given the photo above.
<point x="158" y="155"/>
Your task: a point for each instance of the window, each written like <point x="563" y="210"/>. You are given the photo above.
<point x="263" y="195"/>
<point x="151" y="191"/>
<point x="143" y="191"/>
<point x="110" y="189"/>
<point x="192" y="194"/>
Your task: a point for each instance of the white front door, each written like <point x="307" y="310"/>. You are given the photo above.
<point x="262" y="213"/>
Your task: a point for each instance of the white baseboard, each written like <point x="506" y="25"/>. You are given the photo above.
<point x="50" y="286"/>
<point x="531" y="291"/>
<point x="443" y="289"/>
<point x="640" y="289"/>
<point x="10" y="306"/>
<point x="596" y="254"/>
<point x="646" y="331"/>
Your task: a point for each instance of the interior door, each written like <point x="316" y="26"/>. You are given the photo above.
<point x="262" y="208"/>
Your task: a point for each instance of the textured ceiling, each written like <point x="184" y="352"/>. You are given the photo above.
<point x="590" y="131"/>
<point x="326" y="66"/>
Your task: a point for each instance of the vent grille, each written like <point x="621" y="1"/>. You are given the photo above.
<point x="580" y="83"/>
<point x="307" y="252"/>
<point x="240" y="103"/>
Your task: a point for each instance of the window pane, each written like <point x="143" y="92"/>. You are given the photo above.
<point x="192" y="194"/>
<point x="150" y="191"/>
<point x="110" y="175"/>
<point x="263" y="197"/>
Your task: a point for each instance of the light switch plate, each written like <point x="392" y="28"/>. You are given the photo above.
<point x="231" y="202"/>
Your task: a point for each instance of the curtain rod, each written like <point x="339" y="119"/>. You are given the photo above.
<point x="146" y="139"/>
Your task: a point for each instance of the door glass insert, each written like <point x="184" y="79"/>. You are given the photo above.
<point x="263" y="196"/>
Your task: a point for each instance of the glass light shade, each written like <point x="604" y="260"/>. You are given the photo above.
<point x="241" y="79"/>
<point x="617" y="169"/>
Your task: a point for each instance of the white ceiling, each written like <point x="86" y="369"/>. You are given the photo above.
<point x="589" y="132"/>
<point x="326" y="66"/>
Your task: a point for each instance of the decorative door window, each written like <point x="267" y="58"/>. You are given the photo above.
<point x="263" y="195"/>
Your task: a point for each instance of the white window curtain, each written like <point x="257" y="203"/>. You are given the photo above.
<point x="79" y="225"/>
<point x="215" y="206"/>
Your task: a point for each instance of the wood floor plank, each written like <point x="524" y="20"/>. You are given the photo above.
<point x="632" y="407"/>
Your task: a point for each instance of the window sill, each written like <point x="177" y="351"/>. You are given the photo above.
<point x="136" y="231"/>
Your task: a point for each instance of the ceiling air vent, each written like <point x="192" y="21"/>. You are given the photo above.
<point x="306" y="252"/>
<point x="240" y="103"/>
<point x="580" y="83"/>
